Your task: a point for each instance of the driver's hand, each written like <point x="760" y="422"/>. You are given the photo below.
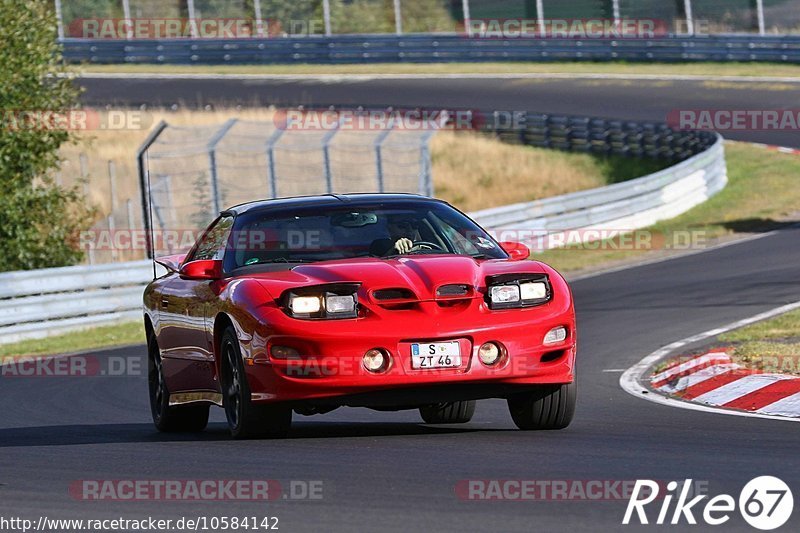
<point x="403" y="246"/>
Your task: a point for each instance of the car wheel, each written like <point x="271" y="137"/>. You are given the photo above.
<point x="548" y="407"/>
<point x="166" y="417"/>
<point x="246" y="419"/>
<point x="448" y="413"/>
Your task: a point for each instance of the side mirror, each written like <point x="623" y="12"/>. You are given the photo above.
<point x="202" y="269"/>
<point x="516" y="250"/>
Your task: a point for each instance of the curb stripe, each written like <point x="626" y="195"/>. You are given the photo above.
<point x="736" y="389"/>
<point x="787" y="407"/>
<point x="693" y="382"/>
<point x="685" y="368"/>
<point x="715" y="382"/>
<point x="771" y="394"/>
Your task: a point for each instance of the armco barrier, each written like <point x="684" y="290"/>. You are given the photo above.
<point x="430" y="48"/>
<point x="39" y="303"/>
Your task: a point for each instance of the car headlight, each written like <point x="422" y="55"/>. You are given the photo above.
<point x="510" y="290"/>
<point x="504" y="294"/>
<point x="335" y="300"/>
<point x="304" y="305"/>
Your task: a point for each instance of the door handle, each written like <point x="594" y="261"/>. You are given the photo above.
<point x="164" y="302"/>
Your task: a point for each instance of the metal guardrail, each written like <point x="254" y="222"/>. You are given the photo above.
<point x="431" y="48"/>
<point x="620" y="207"/>
<point x="39" y="303"/>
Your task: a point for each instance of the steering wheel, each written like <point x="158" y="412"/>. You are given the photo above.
<point x="426" y="245"/>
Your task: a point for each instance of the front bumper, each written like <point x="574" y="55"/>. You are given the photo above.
<point x="330" y="365"/>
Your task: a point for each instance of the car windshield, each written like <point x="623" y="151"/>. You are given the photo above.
<point x="311" y="234"/>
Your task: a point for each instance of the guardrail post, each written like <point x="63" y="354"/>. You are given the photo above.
<point x="212" y="163"/>
<point x="379" y="157"/>
<point x="273" y="178"/>
<point x="615" y="11"/>
<point x="467" y="18"/>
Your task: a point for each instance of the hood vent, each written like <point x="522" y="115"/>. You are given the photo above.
<point x="456" y="290"/>
<point x="393" y="294"/>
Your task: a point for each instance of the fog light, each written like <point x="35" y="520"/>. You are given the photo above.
<point x="555" y="335"/>
<point x="489" y="353"/>
<point x="376" y="360"/>
<point x="284" y="352"/>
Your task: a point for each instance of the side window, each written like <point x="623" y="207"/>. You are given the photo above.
<point x="212" y="244"/>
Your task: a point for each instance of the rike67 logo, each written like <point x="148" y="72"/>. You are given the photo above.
<point x="765" y="503"/>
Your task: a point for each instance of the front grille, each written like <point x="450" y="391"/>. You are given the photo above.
<point x="394" y="294"/>
<point x="453" y="290"/>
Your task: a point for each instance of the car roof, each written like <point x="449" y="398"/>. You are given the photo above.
<point x="328" y="200"/>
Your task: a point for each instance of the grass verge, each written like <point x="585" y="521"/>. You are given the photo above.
<point x="576" y="67"/>
<point x="77" y="341"/>
<point x="771" y="346"/>
<point x="748" y="204"/>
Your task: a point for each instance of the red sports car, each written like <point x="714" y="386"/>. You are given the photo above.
<point x="386" y="301"/>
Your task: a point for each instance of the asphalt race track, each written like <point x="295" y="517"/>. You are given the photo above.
<point x="622" y="99"/>
<point x="387" y="471"/>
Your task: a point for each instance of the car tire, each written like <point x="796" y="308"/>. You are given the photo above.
<point x="548" y="407"/>
<point x="448" y="413"/>
<point x="247" y="420"/>
<point x="169" y="418"/>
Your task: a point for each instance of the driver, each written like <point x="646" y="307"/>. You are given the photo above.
<point x="403" y="231"/>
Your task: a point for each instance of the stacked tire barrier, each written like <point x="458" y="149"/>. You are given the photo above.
<point x="430" y="48"/>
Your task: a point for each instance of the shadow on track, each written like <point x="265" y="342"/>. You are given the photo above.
<point x="128" y="433"/>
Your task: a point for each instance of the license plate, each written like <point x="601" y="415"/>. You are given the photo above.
<point x="435" y="355"/>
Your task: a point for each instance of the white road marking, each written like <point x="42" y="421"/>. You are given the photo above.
<point x="433" y="76"/>
<point x="737" y="389"/>
<point x="632" y="381"/>
<point x="789" y="406"/>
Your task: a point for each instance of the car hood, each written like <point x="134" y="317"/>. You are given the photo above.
<point x="420" y="274"/>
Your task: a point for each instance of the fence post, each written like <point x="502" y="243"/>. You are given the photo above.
<point x="326" y="16"/>
<point x="760" y="14"/>
<point x="84" y="173"/>
<point x="257" y="12"/>
<point x="216" y="201"/>
<point x="273" y="178"/>
<point x="192" y="19"/>
<point x="326" y="141"/>
<point x="467" y="17"/>
<point x="540" y="17"/>
<point x="143" y="165"/>
<point x="379" y="158"/>
<point x="59" y="20"/>
<point x="615" y="12"/>
<point x="425" y="181"/>
<point x="687" y="10"/>
<point x="398" y="18"/>
<point x="126" y="13"/>
<point x="111" y="228"/>
<point x="112" y="184"/>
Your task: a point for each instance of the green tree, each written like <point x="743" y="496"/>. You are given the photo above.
<point x="39" y="221"/>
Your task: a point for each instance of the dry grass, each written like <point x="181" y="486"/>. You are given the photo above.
<point x="470" y="170"/>
<point x="473" y="171"/>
